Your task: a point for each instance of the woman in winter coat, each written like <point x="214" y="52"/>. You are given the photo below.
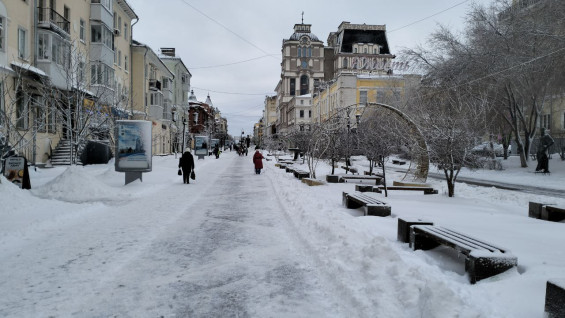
<point x="257" y="160"/>
<point x="186" y="162"/>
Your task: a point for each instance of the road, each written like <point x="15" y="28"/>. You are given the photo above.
<point x="218" y="247"/>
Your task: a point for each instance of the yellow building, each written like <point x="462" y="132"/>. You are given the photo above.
<point x="65" y="76"/>
<point x="152" y="95"/>
<point x="350" y="89"/>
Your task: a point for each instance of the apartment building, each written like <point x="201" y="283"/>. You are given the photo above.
<point x="152" y="95"/>
<point x="180" y="88"/>
<point x="65" y="73"/>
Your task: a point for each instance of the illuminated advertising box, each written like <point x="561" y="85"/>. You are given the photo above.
<point x="133" y="146"/>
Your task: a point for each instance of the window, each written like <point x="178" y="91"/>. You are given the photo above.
<point x="2" y="106"/>
<point x="301" y="102"/>
<point x="82" y="34"/>
<point x="43" y="46"/>
<point x="345" y="63"/>
<point x="101" y="34"/>
<point x="120" y="24"/>
<point x="299" y="52"/>
<point x="106" y="3"/>
<point x="304" y="85"/>
<point x="22" y="41"/>
<point x="115" y="20"/>
<point x="355" y="50"/>
<point x="119" y="58"/>
<point x="40" y="113"/>
<point x="51" y="119"/>
<point x="362" y="97"/>
<point x="301" y="113"/>
<point x="125" y="31"/>
<point x="546" y="121"/>
<point x="2" y="32"/>
<point x="81" y="72"/>
<point x="21" y="110"/>
<point x="101" y="74"/>
<point x="309" y="114"/>
<point x="126" y="63"/>
<point x="310" y="51"/>
<point x="292" y="86"/>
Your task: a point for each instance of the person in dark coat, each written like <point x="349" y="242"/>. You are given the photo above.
<point x="186" y="162"/>
<point x="217" y="151"/>
<point x="257" y="160"/>
<point x="543" y="151"/>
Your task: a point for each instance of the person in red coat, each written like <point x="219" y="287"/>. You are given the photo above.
<point x="257" y="160"/>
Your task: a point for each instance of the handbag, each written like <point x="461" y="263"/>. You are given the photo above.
<point x="180" y="172"/>
<point x="192" y="175"/>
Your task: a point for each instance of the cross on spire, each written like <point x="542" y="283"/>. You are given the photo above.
<point x="302" y="17"/>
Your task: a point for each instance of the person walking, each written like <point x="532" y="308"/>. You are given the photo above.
<point x="543" y="151"/>
<point x="186" y="162"/>
<point x="217" y="151"/>
<point x="258" y="161"/>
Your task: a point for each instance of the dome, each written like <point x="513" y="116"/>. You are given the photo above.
<point x="192" y="97"/>
<point x="297" y="35"/>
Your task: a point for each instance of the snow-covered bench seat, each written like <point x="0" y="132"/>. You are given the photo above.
<point x="360" y="178"/>
<point x="426" y="190"/>
<point x="552" y="213"/>
<point x="555" y="298"/>
<point x="301" y="174"/>
<point x="350" y="169"/>
<point x="371" y="205"/>
<point x="482" y="259"/>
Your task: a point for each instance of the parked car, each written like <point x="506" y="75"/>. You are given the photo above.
<point x="484" y="149"/>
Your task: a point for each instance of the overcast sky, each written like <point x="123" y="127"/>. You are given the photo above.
<point x="233" y="47"/>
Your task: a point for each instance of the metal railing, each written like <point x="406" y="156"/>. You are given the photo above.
<point x="48" y="15"/>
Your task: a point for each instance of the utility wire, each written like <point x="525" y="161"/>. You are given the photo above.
<point x="431" y="16"/>
<point x="229" y="93"/>
<point x="226" y="28"/>
<point x="228" y="64"/>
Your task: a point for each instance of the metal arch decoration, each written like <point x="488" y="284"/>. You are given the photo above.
<point x="419" y="168"/>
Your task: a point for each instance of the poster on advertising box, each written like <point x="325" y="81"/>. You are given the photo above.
<point x="15" y="171"/>
<point x="133" y="146"/>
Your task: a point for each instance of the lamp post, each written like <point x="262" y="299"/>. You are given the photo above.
<point x="183" y="133"/>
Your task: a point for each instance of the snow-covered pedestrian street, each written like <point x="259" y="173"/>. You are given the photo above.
<point x="236" y="244"/>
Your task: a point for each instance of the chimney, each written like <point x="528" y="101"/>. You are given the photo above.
<point x="168" y="51"/>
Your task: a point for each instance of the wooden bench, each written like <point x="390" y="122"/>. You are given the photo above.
<point x="482" y="259"/>
<point x="404" y="224"/>
<point x="301" y="174"/>
<point x="371" y="205"/>
<point x="552" y="213"/>
<point x="360" y="178"/>
<point x="555" y="298"/>
<point x="332" y="178"/>
<point x="398" y="162"/>
<point x="426" y="190"/>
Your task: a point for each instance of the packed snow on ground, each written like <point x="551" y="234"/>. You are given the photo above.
<point x="360" y="254"/>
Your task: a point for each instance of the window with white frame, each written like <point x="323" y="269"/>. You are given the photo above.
<point x="120" y="24"/>
<point x="301" y="113"/>
<point x="125" y="62"/>
<point x="119" y="58"/>
<point x="106" y="3"/>
<point x="82" y="30"/>
<point x="2" y="32"/>
<point x="101" y="74"/>
<point x="22" y="43"/>
<point x="99" y="33"/>
<point x="43" y="46"/>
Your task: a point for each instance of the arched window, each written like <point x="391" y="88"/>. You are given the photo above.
<point x="304" y="85"/>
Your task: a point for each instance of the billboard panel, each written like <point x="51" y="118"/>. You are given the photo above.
<point x="133" y="145"/>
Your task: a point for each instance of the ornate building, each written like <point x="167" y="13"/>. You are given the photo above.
<point x="302" y="69"/>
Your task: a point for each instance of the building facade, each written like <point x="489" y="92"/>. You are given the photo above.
<point x="302" y="70"/>
<point x="152" y="95"/>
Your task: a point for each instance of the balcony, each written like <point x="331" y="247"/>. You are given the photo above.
<point x="154" y="85"/>
<point x="50" y="19"/>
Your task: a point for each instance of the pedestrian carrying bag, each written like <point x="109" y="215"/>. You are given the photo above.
<point x="180" y="172"/>
<point x="192" y="175"/>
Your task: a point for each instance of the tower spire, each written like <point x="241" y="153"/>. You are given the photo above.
<point x="302" y="17"/>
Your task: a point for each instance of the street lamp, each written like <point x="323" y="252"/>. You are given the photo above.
<point x="183" y="133"/>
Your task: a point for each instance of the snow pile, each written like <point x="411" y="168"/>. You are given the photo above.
<point x="77" y="185"/>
